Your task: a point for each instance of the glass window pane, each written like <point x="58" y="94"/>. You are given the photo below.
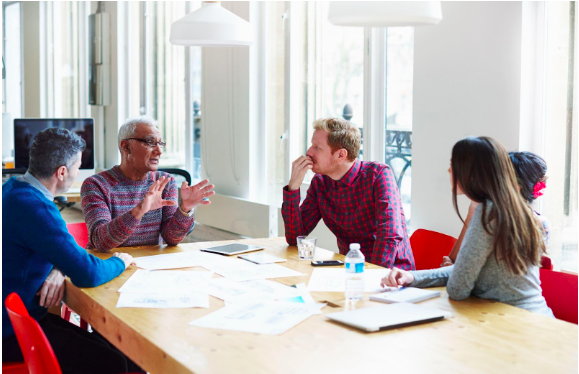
<point x="399" y="79"/>
<point x="332" y="81"/>
<point x="12" y="62"/>
<point x="559" y="202"/>
<point x="164" y="82"/>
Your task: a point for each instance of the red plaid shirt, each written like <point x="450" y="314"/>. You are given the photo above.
<point x="363" y="207"/>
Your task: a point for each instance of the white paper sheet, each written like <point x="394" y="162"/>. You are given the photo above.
<point x="235" y="292"/>
<point x="240" y="270"/>
<point x="261" y="258"/>
<point x="139" y="300"/>
<point x="168" y="261"/>
<point x="334" y="280"/>
<point x="174" y="282"/>
<point x="271" y="318"/>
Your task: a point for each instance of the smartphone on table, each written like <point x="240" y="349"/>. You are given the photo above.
<point x="328" y="263"/>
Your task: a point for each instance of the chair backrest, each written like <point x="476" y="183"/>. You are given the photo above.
<point x="179" y="175"/>
<point x="546" y="263"/>
<point x="80" y="233"/>
<point x="428" y="248"/>
<point x="560" y="292"/>
<point x="36" y="349"/>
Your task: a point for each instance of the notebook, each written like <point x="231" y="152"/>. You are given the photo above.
<point x="388" y="316"/>
<point x="232" y="249"/>
<point x="405" y="295"/>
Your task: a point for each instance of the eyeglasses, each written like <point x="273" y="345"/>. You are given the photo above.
<point x="149" y="143"/>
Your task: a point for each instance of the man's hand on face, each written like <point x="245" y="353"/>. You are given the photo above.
<point x="153" y="199"/>
<point x="52" y="289"/>
<point x="299" y="169"/>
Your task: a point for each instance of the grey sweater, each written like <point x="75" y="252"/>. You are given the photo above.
<point x="476" y="272"/>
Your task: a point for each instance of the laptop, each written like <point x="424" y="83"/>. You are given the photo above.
<point x="232" y="249"/>
<point x="388" y="316"/>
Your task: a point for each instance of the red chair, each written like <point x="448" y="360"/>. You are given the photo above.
<point x="36" y="349"/>
<point x="14" y="368"/>
<point x="560" y="292"/>
<point x="79" y="231"/>
<point x="546" y="263"/>
<point x="429" y="247"/>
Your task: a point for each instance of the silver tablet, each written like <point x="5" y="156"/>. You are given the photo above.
<point x="232" y="249"/>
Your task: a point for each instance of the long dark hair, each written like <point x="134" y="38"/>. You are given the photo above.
<point x="530" y="170"/>
<point x="482" y="168"/>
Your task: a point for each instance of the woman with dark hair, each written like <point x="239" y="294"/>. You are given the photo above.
<point x="530" y="170"/>
<point x="500" y="254"/>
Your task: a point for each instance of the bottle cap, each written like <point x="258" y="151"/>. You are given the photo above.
<point x="354" y="246"/>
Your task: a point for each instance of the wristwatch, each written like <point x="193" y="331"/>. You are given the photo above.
<point x="187" y="214"/>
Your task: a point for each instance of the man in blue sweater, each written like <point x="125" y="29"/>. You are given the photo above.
<point x="37" y="249"/>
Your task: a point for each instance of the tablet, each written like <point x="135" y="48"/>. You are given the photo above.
<point x="232" y="249"/>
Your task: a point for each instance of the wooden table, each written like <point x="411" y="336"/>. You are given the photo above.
<point x="482" y="336"/>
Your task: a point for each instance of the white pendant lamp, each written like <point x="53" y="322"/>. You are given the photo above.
<point x="211" y="26"/>
<point x="384" y="13"/>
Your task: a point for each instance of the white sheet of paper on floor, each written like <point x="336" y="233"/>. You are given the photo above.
<point x="175" y="282"/>
<point x="140" y="300"/>
<point x="334" y="280"/>
<point x="271" y="318"/>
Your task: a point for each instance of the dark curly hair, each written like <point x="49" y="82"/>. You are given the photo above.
<point x="53" y="148"/>
<point x="530" y="170"/>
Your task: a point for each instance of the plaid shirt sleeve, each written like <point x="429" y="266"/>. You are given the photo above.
<point x="299" y="220"/>
<point x="389" y="228"/>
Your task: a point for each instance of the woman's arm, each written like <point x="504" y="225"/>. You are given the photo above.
<point x="447" y="261"/>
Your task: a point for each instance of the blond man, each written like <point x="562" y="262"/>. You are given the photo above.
<point x="358" y="200"/>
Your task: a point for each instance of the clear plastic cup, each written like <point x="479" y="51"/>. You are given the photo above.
<point x="306" y="247"/>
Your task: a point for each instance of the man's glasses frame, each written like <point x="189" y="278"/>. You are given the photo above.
<point x="149" y="143"/>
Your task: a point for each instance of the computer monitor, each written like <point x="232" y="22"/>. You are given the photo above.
<point x="25" y="129"/>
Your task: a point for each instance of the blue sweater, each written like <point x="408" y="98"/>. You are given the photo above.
<point x="35" y="239"/>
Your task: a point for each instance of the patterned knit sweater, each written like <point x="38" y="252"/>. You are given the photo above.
<point x="107" y="200"/>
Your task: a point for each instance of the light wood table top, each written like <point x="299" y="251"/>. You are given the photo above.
<point x="481" y="337"/>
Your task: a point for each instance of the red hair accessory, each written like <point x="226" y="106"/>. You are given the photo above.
<point x="538" y="189"/>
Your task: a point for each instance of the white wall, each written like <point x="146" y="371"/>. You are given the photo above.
<point x="466" y="83"/>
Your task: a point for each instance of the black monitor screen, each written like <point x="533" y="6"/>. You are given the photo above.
<point x="25" y="129"/>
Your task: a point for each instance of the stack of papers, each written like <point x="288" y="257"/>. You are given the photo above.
<point x="253" y="303"/>
<point x="165" y="289"/>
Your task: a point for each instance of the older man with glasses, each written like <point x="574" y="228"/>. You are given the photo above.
<point x="133" y="203"/>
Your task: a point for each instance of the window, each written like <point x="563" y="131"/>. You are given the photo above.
<point x="66" y="65"/>
<point x="326" y="73"/>
<point x="165" y="80"/>
<point x="399" y="74"/>
<point x="318" y="70"/>
<point x="559" y="133"/>
<point x="12" y="60"/>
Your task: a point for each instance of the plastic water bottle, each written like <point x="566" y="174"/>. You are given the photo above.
<point x="354" y="273"/>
